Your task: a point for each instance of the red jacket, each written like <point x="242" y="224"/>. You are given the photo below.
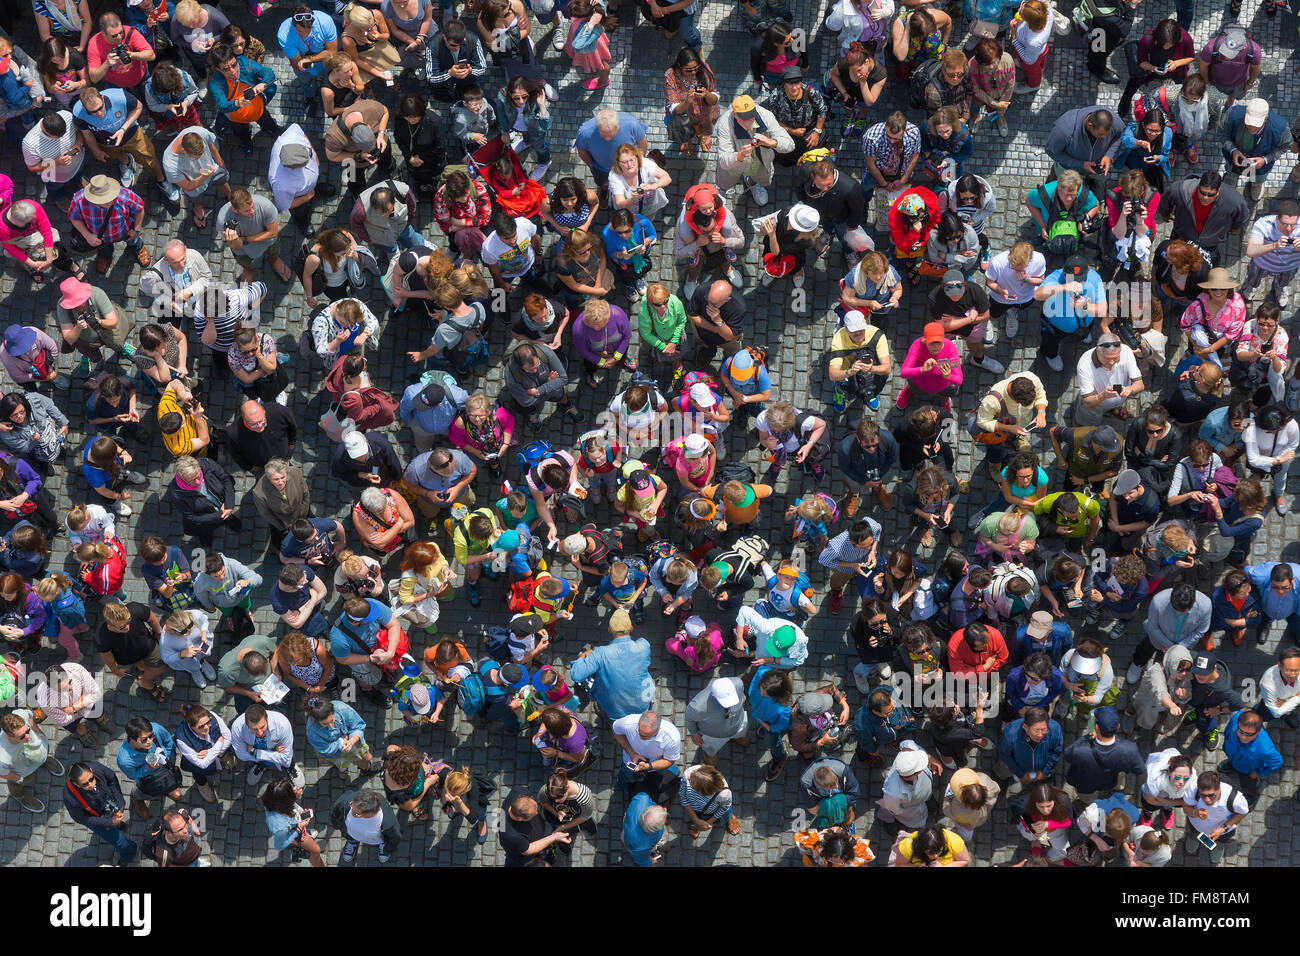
<point x="369" y="407"/>
<point x="905" y="240"/>
<point x="963" y="660"/>
<point x="106" y="577"/>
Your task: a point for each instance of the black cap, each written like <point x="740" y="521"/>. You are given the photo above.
<point x="791" y="72"/>
<point x="1203" y="665"/>
<point x="433" y="395"/>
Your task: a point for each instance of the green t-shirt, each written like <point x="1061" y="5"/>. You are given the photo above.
<point x="231" y="673"/>
<point x="1089" y="508"/>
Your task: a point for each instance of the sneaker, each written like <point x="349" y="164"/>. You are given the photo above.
<point x="1281" y="504"/>
<point x="54" y="765"/>
<point x="1055" y="364"/>
<point x="1003" y="131"/>
<point x="282" y="398"/>
<point x="1134" y="672"/>
<point x="840" y="399"/>
<point x="171" y="191"/>
<point x="123" y="509"/>
<point x="873" y="402"/>
<point x="1283" y="298"/>
<point x="126" y="173"/>
<point x="471" y="591"/>
<point x="560" y="34"/>
<point x="766" y="279"/>
<point x="592" y="598"/>
<point x="207" y="793"/>
<point x="990" y="364"/>
<point x="350" y="850"/>
<point x="384" y="857"/>
<point x="734" y="277"/>
<point x="1012" y="322"/>
<point x="255" y="773"/>
<point x="539" y="172"/>
<point x="774" y="770"/>
<point x="835" y="601"/>
<point x="758" y="194"/>
<point x="199" y="681"/>
<point x="688" y="290"/>
<point x="28" y="802"/>
<point x="1211" y="739"/>
<point x="1166" y="818"/>
<point x="641" y="286"/>
<point x="550" y="91"/>
<point x="990" y="333"/>
<point x="134" y="477"/>
<point x="818" y="471"/>
<point x="1145" y="818"/>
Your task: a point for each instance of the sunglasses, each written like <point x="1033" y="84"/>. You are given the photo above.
<point x="303" y="18"/>
<point x="1108" y="345"/>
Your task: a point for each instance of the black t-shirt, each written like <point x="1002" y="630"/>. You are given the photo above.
<point x="938" y="304"/>
<point x="516" y="836"/>
<point x="133" y="646"/>
<point x="1145" y="508"/>
<point x="732" y="313"/>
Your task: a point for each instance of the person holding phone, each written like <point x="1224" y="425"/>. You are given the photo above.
<point x="1252" y="137"/>
<point x="1213" y="816"/>
<point x="1273" y="249"/>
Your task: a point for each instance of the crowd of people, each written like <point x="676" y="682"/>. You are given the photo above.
<point x="1134" y="520"/>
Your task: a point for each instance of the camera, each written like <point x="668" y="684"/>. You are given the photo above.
<point x="122" y="52"/>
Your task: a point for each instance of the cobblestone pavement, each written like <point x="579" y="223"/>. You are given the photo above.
<point x="797" y="341"/>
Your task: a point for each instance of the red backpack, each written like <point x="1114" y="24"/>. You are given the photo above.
<point x="1159" y="101"/>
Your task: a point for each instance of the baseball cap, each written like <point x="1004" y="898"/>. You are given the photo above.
<point x="724" y="692"/>
<point x="356" y="445"/>
<point x="782" y="640"/>
<point x="1256" y="112"/>
<point x="1104" y="437"/>
<point x="933" y="332"/>
<point x="1106" y="718"/>
<point x="741" y="366"/>
<point x="815" y="702"/>
<point x="433" y="395"/>
<point x="743" y="106"/>
<point x="696" y="445"/>
<point x="954" y="281"/>
<point x="294" y="155"/>
<point x="1040" y="624"/>
<point x="855" y="321"/>
<point x="526" y="624"/>
<point x="787" y="573"/>
<point x="363" y="137"/>
<point x="514" y="675"/>
<point x="509" y="541"/>
<point x="791" y="73"/>
<point x="640" y="480"/>
<point x="1203" y="665"/>
<point x="1232" y="40"/>
<point x="702" y="395"/>
<point x="694" y="626"/>
<point x="1127" y="480"/>
<point x="1076" y="263"/>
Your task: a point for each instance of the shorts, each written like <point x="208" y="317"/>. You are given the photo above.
<point x="138" y="146"/>
<point x="272" y="252"/>
<point x="153" y="659"/>
<point x="368" y="674"/>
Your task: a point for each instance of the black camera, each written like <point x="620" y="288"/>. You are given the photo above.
<point x="122" y="52"/>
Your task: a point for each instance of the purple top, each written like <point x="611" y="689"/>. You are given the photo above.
<point x="22" y="474"/>
<point x="614" y="337"/>
<point x="569" y="745"/>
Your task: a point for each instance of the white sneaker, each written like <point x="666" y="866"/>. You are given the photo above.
<point x="990" y="333"/>
<point x="767" y="278"/>
<point x="1055" y="364"/>
<point x="134" y="477"/>
<point x="171" y="191"/>
<point x="123" y="509"/>
<point x="126" y="173"/>
<point x="539" y="172"/>
<point x="1283" y="298"/>
<point x="1134" y="672"/>
<point x="1012" y="322"/>
<point x="560" y="34"/>
<point x="735" y="278"/>
<point x="758" y="194"/>
<point x="282" y="398"/>
<point x="550" y="92"/>
<point x="255" y="773"/>
<point x="207" y="670"/>
<point x="199" y="681"/>
<point x="990" y="364"/>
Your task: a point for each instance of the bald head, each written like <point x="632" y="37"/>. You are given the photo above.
<point x="175" y="252"/>
<point x="254" y="416"/>
<point x="719" y="293"/>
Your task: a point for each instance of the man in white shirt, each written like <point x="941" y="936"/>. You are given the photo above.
<point x="1106" y="375"/>
<point x="1273" y="249"/>
<point x="1011" y="279"/>
<point x="264" y="738"/>
<point x="651" y="749"/>
<point x="1279" y="689"/>
<point x="294" y="175"/>
<point x="1219" y="807"/>
<point x="52" y="149"/>
<point x="773" y="640"/>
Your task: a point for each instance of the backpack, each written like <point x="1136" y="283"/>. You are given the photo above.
<point x="697" y="378"/>
<point x="922" y="76"/>
<point x="471" y="695"/>
<point x="736" y="471"/>
<point x="1216" y="42"/>
<point x="499" y="642"/>
<point x="832" y="506"/>
<point x="1159" y="102"/>
<point x="534" y="453"/>
<point x="662" y="548"/>
<point x="1063" y="230"/>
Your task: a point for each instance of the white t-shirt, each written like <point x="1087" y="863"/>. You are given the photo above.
<point x="664" y="745"/>
<point x="1017" y="291"/>
<point x="365" y="829"/>
<point x="288" y="184"/>
<point x="1093" y="378"/>
<point x="801" y="432"/>
<point x="1277" y="693"/>
<point x="513" y="260"/>
<point x="641" y="419"/>
<point x="1219" y="810"/>
<point x="1286" y="259"/>
<point x="1157" y="783"/>
<point x="1029" y="46"/>
<point x="651" y="199"/>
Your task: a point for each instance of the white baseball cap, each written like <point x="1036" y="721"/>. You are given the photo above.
<point x="356" y="445"/>
<point x="724" y="692"/>
<point x="855" y="321"/>
<point x="702" y="395"/>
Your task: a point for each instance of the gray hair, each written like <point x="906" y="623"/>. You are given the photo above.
<point x="22" y="213"/>
<point x="365" y="803"/>
<point x="187" y="468"/>
<point x="374" y="501"/>
<point x="653" y="818"/>
<point x="649" y="722"/>
<point x="607" y="119"/>
<point x="276" y="466"/>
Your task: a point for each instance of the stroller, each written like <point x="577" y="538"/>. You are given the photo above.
<point x="498" y="166"/>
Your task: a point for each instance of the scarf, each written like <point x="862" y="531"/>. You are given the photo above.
<point x="487" y="436"/>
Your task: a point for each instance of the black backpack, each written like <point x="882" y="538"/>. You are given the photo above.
<point x="736" y="471"/>
<point x="925" y="74"/>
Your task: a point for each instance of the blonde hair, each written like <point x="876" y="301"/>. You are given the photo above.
<point x="188" y="12"/>
<point x="656" y="293"/>
<point x="78" y="518"/>
<point x="187" y="468"/>
<point x="179" y="622"/>
<point x="596" y="310"/>
<point x="456" y="783"/>
<point x="49" y="588"/>
<point x="116" y="613"/>
<point x="780" y="417"/>
<point x="812" y="509"/>
<point x="1021" y="254"/>
<point x="478" y="402"/>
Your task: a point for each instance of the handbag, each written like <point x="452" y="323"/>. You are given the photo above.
<point x="335" y="426"/>
<point x="161" y="781"/>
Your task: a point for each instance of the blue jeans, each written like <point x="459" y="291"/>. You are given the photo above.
<point x="688" y="33"/>
<point x="776" y="746"/>
<point x="540" y="146"/>
<point x="409" y="238"/>
<point x="104" y="252"/>
<point x="117" y="839"/>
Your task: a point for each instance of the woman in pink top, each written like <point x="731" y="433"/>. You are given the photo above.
<point x="1216" y="318"/>
<point x="27" y="236"/>
<point x="483" y="432"/>
<point x="933" y="366"/>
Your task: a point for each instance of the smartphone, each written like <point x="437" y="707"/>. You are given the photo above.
<point x="1117" y="388"/>
<point x="1204" y="840"/>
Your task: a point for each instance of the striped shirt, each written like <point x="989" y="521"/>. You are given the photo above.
<point x="839" y="548"/>
<point x="241" y="304"/>
<point x="182" y="442"/>
<point x="39" y="147"/>
<point x="716" y="807"/>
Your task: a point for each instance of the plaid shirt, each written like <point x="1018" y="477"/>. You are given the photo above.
<point x="875" y="142"/>
<point x="120" y="216"/>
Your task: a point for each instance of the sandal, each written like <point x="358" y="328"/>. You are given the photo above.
<point x="157" y="692"/>
<point x="733" y="826"/>
<point x="199" y="223"/>
<point x="420" y="813"/>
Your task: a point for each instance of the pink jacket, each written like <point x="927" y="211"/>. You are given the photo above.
<point x="40" y="224"/>
<point x="931" y="381"/>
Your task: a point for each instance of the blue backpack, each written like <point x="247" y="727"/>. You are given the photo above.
<point x="532" y="454"/>
<point x="471" y="695"/>
<point x="498" y="642"/>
